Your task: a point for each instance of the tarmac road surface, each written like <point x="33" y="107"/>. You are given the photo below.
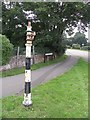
<point x="15" y="84"/>
<point x="79" y="53"/>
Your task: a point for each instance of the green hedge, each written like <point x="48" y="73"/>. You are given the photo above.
<point x="6" y="49"/>
<point x="85" y="48"/>
<point x="76" y="46"/>
<point x="67" y="46"/>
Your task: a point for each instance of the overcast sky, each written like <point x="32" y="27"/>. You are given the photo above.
<point x="76" y="30"/>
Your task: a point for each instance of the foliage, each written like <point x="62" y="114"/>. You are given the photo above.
<point x="65" y="96"/>
<point x="75" y="46"/>
<point x="16" y="36"/>
<point x="67" y="46"/>
<point x="7" y="48"/>
<point x="52" y="19"/>
<point x="67" y="41"/>
<point x="79" y="38"/>
<point x="85" y="48"/>
<point x="88" y="44"/>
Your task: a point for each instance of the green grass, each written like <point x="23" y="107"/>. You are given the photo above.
<point x="16" y="71"/>
<point x="65" y="96"/>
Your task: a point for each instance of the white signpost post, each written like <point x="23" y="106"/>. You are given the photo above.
<point x="27" y="93"/>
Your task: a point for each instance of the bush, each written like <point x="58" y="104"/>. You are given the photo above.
<point x="76" y="46"/>
<point x="6" y="50"/>
<point x="85" y="48"/>
<point x="67" y="46"/>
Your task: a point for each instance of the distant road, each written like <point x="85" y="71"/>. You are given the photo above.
<point x="79" y="53"/>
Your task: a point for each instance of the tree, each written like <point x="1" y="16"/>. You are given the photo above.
<point x="52" y="20"/>
<point x="16" y="36"/>
<point x="79" y="38"/>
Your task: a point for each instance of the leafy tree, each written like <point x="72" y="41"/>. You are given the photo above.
<point x="52" y="19"/>
<point x="55" y="18"/>
<point x="79" y="38"/>
<point x="16" y="36"/>
<point x="67" y="41"/>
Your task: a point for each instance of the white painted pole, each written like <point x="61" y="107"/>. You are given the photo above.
<point x="27" y="93"/>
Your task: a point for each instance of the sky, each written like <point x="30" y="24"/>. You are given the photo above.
<point x="76" y="30"/>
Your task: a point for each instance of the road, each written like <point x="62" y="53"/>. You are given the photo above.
<point x="15" y="84"/>
<point x="79" y="53"/>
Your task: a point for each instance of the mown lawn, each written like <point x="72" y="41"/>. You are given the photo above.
<point x="16" y="71"/>
<point x="65" y="96"/>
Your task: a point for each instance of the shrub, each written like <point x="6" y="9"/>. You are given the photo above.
<point x="68" y="46"/>
<point x="6" y="49"/>
<point x="85" y="48"/>
<point x="76" y="46"/>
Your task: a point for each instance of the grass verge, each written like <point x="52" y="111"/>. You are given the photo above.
<point x="16" y="71"/>
<point x="65" y="96"/>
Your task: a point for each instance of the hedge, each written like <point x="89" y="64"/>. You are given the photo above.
<point x="85" y="48"/>
<point x="6" y="49"/>
<point x="76" y="46"/>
